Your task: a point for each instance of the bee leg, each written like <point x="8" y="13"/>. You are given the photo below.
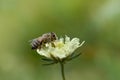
<point x="39" y="47"/>
<point x="53" y="45"/>
<point x="43" y="44"/>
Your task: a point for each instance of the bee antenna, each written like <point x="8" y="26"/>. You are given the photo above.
<point x="52" y="32"/>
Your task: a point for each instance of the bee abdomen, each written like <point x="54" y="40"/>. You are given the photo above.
<point x="35" y="43"/>
<point x="42" y="40"/>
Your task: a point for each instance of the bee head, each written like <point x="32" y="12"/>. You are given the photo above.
<point x="53" y="36"/>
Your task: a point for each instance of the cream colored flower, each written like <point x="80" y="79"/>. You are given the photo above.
<point x="60" y="48"/>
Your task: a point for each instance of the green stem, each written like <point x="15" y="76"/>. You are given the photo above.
<point x="62" y="70"/>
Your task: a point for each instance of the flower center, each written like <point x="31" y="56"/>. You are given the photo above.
<point x="59" y="44"/>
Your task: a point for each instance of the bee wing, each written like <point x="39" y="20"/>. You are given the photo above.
<point x="30" y="41"/>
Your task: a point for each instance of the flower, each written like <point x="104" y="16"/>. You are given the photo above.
<point x="60" y="48"/>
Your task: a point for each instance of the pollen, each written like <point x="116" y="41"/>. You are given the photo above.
<point x="59" y="44"/>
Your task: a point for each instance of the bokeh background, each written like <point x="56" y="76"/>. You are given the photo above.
<point x="95" y="21"/>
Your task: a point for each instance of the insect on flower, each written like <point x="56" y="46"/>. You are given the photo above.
<point x="42" y="40"/>
<point x="56" y="50"/>
<point x="62" y="51"/>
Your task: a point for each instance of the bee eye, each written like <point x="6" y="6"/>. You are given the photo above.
<point x="53" y="35"/>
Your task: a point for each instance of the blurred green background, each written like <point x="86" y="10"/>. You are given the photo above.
<point x="95" y="21"/>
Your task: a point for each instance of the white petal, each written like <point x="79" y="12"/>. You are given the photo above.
<point x="67" y="39"/>
<point x="82" y="43"/>
<point x="61" y="39"/>
<point x="58" y="53"/>
<point x="61" y="49"/>
<point x="43" y="53"/>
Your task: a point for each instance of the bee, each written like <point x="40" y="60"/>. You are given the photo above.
<point x="42" y="40"/>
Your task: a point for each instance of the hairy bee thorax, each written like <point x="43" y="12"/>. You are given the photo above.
<point x="42" y="40"/>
